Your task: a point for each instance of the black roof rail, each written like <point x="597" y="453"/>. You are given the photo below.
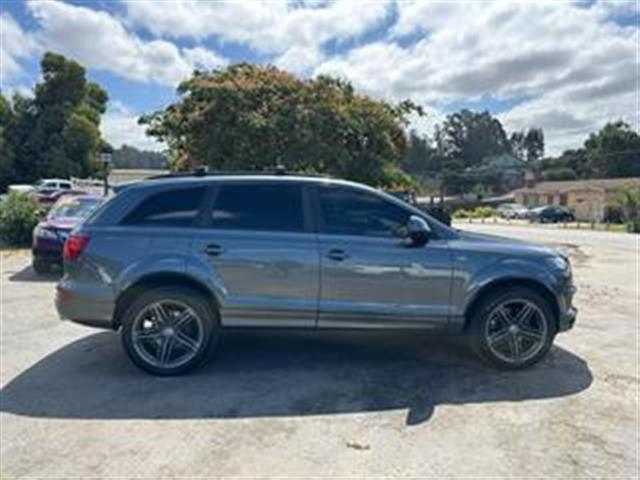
<point x="203" y="171"/>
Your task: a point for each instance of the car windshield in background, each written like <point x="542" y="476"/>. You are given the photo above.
<point x="74" y="207"/>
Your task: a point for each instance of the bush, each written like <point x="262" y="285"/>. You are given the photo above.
<point x="484" y="212"/>
<point x="462" y="213"/>
<point x="633" y="225"/>
<point x="19" y="214"/>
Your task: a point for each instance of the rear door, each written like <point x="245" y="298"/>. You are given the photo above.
<point x="258" y="242"/>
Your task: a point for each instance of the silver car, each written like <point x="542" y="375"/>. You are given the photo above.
<point x="170" y="262"/>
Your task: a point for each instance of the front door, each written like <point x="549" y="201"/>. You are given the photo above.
<point x="371" y="278"/>
<point x="261" y="249"/>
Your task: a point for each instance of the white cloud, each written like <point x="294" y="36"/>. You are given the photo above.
<point x="300" y="60"/>
<point x="576" y="66"/>
<point x="98" y="40"/>
<point x="270" y="26"/>
<point x="119" y="126"/>
<point x="15" y="46"/>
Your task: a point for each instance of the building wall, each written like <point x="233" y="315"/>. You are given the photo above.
<point x="587" y="205"/>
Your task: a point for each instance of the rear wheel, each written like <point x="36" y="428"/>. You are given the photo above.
<point x="513" y="328"/>
<point x="169" y="331"/>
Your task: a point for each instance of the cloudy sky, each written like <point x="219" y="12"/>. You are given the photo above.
<point x="565" y="66"/>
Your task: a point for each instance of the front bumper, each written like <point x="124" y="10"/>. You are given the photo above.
<point x="567" y="312"/>
<point x="567" y="319"/>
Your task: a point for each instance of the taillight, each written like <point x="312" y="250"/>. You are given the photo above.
<point x="74" y="246"/>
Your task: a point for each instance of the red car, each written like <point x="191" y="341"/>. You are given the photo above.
<point x="51" y="233"/>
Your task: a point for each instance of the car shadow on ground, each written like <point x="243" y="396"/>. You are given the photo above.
<point x="266" y="374"/>
<point x="28" y="274"/>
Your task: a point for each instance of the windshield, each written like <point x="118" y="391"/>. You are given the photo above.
<point x="73" y="207"/>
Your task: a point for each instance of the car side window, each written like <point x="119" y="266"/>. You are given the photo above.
<point x="172" y="208"/>
<point x="267" y="207"/>
<point x="348" y="211"/>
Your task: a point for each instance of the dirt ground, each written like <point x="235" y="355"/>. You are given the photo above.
<point x="328" y="405"/>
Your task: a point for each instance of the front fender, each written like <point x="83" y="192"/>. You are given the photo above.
<point x="501" y="270"/>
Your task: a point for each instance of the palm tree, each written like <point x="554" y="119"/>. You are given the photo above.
<point x="629" y="200"/>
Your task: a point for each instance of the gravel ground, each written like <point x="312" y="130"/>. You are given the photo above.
<point x="328" y="405"/>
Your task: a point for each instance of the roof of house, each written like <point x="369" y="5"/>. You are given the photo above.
<point x="591" y="184"/>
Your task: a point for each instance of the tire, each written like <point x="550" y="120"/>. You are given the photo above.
<point x="41" y="267"/>
<point x="495" y="339"/>
<point x="169" y="330"/>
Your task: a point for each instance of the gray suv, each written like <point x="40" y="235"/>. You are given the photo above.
<point x="171" y="261"/>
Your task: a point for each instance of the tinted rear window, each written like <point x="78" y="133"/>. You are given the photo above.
<point x="173" y="208"/>
<point x="274" y="207"/>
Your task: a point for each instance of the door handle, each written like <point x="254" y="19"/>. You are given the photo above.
<point x="213" y="250"/>
<point x="337" y="254"/>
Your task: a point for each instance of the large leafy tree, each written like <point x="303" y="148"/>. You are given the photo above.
<point x="528" y="145"/>
<point x="7" y="148"/>
<point x="249" y="117"/>
<point x="614" y="151"/>
<point x="463" y="141"/>
<point x="56" y="133"/>
<point x="466" y="138"/>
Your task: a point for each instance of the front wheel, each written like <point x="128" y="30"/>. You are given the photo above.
<point x="513" y="328"/>
<point x="169" y="331"/>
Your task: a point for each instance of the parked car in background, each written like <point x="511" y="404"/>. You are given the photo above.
<point x="170" y="262"/>
<point x="438" y="212"/>
<point x="51" y="233"/>
<point x="20" y="188"/>
<point x="551" y="214"/>
<point x="47" y="201"/>
<point x="49" y="185"/>
<point x="512" y="211"/>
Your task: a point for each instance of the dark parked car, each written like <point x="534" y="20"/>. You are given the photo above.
<point x="551" y="214"/>
<point x="170" y="262"/>
<point x="438" y="212"/>
<point x="51" y="233"/>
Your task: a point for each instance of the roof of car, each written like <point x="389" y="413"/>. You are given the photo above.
<point x="231" y="177"/>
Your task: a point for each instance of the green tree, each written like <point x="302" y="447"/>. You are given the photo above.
<point x="560" y="173"/>
<point x="527" y="145"/>
<point x="421" y="157"/>
<point x="463" y="141"/>
<point x="573" y="159"/>
<point x="255" y="117"/>
<point x="131" y="157"/>
<point x="614" y="151"/>
<point x="7" y="153"/>
<point x="469" y="137"/>
<point x="56" y="133"/>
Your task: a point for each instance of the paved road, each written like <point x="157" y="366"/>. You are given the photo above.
<point x="554" y="234"/>
<point x="294" y="405"/>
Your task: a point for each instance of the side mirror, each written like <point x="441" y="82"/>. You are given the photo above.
<point x="418" y="231"/>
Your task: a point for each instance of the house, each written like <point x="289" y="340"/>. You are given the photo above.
<point x="587" y="199"/>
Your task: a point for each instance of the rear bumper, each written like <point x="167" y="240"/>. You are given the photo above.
<point x="47" y="255"/>
<point x="85" y="307"/>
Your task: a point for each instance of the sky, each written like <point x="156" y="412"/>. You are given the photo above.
<point x="568" y="67"/>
